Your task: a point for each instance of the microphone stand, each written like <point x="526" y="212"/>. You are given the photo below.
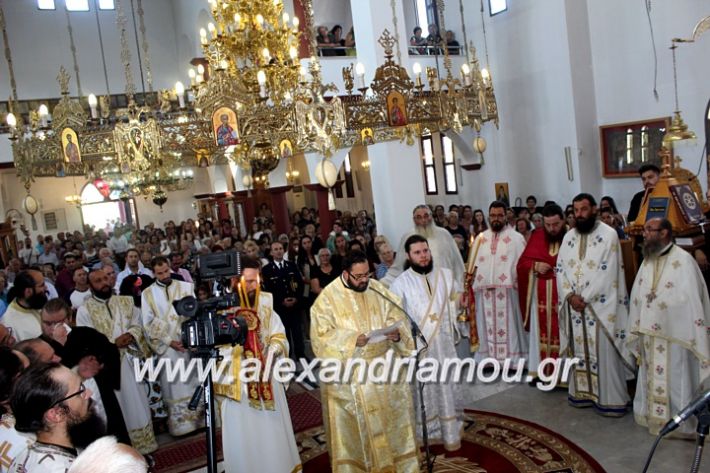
<point x="702" y="430"/>
<point x="417" y="333"/>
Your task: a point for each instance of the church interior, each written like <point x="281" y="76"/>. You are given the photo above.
<point x="147" y="114"/>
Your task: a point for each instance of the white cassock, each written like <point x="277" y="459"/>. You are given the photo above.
<point x="444" y="253"/>
<point x="25" y="323"/>
<point x="162" y="325"/>
<point x="669" y="318"/>
<point x="500" y="324"/>
<point x="113" y="318"/>
<point x="257" y="434"/>
<point x="431" y="301"/>
<point x="591" y="266"/>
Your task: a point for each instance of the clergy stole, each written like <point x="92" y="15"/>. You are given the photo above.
<point x="541" y="288"/>
<point x="590" y="265"/>
<point x="260" y="338"/>
<point x="669" y="312"/>
<point x="369" y="425"/>
<point x="495" y="278"/>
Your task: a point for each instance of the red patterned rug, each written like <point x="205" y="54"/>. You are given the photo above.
<point x="190" y="453"/>
<point x="491" y="443"/>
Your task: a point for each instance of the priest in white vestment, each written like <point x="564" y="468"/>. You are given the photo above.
<point x="495" y="286"/>
<point x="117" y="318"/>
<point x="429" y="297"/>
<point x="669" y="317"/>
<point x="594" y="312"/>
<point x="162" y="328"/>
<point x="442" y="246"/>
<point x="257" y="434"/>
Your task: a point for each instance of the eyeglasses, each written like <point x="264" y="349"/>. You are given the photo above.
<point x="359" y="277"/>
<point x="80" y="392"/>
<point x="57" y="322"/>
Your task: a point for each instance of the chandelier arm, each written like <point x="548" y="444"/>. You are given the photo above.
<point x="310" y="26"/>
<point x="125" y="52"/>
<point x="138" y="50"/>
<point x="8" y="54"/>
<point x="103" y="54"/>
<point x="393" y="4"/>
<point x="463" y="28"/>
<point x="144" y="42"/>
<point x="485" y="36"/>
<point x="72" y="47"/>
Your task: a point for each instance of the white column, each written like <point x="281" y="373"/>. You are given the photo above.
<point x="395" y="168"/>
<point x="397" y="187"/>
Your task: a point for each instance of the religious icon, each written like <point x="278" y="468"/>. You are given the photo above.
<point x="224" y="122"/>
<point x="286" y="149"/>
<point x="396" y="106"/>
<point x="366" y="137"/>
<point x="502" y="193"/>
<point x="70" y="146"/>
<point x="203" y="162"/>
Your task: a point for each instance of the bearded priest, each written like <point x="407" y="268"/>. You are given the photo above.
<point x="669" y="318"/>
<point x="500" y="325"/>
<point x="594" y="312"/>
<point x="537" y="287"/>
<point x="429" y="297"/>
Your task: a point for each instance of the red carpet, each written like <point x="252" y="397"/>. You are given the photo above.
<point x="491" y="443"/>
<point x="190" y="453"/>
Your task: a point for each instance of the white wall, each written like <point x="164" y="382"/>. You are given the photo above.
<point x="623" y="73"/>
<point x="40" y="45"/>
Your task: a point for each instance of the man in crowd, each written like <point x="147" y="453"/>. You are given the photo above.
<point x="500" y="325"/>
<point x="133" y="266"/>
<point x="537" y="287"/>
<point x="176" y="264"/>
<point x="29" y="254"/>
<point x="48" y="255"/>
<point x="442" y="246"/>
<point x="118" y="244"/>
<point x="117" y="318"/>
<point x="284" y="281"/>
<point x="649" y="177"/>
<point x="430" y="299"/>
<point x="269" y="443"/>
<point x="12" y="443"/>
<point x="51" y="402"/>
<point x="81" y="290"/>
<point x="162" y="326"/>
<point x="65" y="278"/>
<point x="669" y="317"/>
<point x="22" y="315"/>
<point x="593" y="311"/>
<point x="14" y="266"/>
<point x="367" y="423"/>
<point x="55" y="324"/>
<point x="37" y="350"/>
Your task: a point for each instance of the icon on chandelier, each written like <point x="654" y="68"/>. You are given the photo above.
<point x="70" y="146"/>
<point x="224" y="122"/>
<point x="396" y="106"/>
<point x="366" y="137"/>
<point x="286" y="149"/>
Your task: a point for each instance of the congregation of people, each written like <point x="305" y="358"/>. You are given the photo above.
<point x="523" y="284"/>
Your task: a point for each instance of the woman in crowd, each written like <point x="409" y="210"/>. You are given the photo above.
<point x="479" y="222"/>
<point x="324" y="273"/>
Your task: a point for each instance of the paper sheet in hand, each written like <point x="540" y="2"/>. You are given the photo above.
<point x="380" y="335"/>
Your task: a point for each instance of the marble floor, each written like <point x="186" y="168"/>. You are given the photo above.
<point x="619" y="445"/>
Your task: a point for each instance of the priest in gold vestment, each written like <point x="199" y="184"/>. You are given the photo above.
<point x="369" y="426"/>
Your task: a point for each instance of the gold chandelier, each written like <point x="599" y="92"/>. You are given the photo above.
<point x="251" y="102"/>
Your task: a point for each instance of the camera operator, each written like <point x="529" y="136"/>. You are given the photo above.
<point x="162" y="326"/>
<point x="257" y="434"/>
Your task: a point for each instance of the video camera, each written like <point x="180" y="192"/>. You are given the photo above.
<point x="208" y="327"/>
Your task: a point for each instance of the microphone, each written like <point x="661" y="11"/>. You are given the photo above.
<point x="691" y="409"/>
<point x="415" y="327"/>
